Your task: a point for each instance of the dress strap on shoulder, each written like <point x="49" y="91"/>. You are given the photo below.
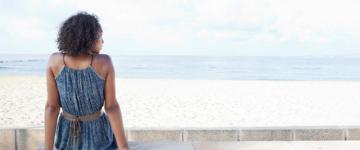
<point x="92" y="57"/>
<point x="64" y="59"/>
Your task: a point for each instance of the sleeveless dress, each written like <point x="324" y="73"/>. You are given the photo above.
<point x="81" y="92"/>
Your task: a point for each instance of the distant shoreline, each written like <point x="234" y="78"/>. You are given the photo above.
<point x="208" y="67"/>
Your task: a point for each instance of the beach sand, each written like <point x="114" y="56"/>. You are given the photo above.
<point x="162" y="103"/>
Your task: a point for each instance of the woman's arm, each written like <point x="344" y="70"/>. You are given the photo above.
<point x="112" y="108"/>
<point x="52" y="106"/>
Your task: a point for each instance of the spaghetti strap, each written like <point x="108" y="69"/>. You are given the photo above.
<point x="64" y="59"/>
<point x="91" y="59"/>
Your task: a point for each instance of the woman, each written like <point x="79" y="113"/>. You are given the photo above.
<point x="81" y="81"/>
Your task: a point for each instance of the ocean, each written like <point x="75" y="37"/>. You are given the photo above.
<point x="207" y="67"/>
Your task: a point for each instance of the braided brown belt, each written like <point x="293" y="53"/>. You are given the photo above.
<point x="75" y="120"/>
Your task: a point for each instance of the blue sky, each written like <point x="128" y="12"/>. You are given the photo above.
<point x="182" y="27"/>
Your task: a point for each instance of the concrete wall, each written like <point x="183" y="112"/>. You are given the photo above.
<point x="32" y="138"/>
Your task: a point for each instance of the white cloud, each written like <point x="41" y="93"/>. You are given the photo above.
<point x="186" y="24"/>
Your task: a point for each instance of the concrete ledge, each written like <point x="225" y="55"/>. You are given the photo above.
<point x="352" y="134"/>
<point x="7" y="139"/>
<point x="319" y="134"/>
<point x="210" y="135"/>
<point x="266" y="135"/>
<point x="152" y="135"/>
<point x="246" y="145"/>
<point x="31" y="138"/>
<point x="160" y="145"/>
<point x="278" y="145"/>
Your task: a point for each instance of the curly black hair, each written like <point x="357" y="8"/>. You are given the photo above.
<point x="78" y="34"/>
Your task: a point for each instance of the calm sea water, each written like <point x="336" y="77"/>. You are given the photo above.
<point x="207" y="67"/>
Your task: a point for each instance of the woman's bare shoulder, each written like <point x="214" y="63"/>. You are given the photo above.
<point x="55" y="54"/>
<point x="103" y="59"/>
<point x="103" y="64"/>
<point x="54" y="63"/>
<point x="55" y="59"/>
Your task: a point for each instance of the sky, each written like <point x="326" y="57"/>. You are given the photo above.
<point x="184" y="27"/>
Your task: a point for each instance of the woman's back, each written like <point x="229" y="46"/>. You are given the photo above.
<point x="81" y="93"/>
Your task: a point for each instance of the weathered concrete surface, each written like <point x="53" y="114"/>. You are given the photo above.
<point x="7" y="139"/>
<point x="246" y="145"/>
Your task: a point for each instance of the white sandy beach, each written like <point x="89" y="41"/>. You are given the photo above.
<point x="162" y="103"/>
